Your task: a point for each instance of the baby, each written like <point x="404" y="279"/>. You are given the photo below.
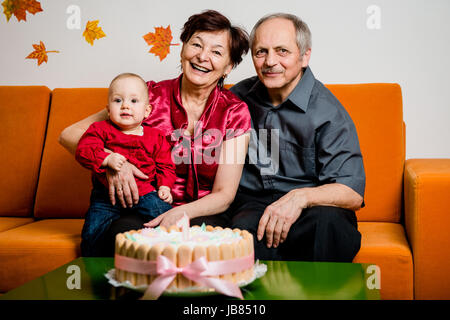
<point x="123" y="137"/>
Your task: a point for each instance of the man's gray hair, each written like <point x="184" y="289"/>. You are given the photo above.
<point x="304" y="41"/>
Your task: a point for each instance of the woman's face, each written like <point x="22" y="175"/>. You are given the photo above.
<point x="205" y="58"/>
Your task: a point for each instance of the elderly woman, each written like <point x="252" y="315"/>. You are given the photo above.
<point x="206" y="125"/>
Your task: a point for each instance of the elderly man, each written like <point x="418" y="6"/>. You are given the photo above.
<point x="301" y="205"/>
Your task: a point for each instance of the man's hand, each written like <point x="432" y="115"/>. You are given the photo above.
<point x="164" y="194"/>
<point x="114" y="161"/>
<point x="124" y="185"/>
<point x="278" y="217"/>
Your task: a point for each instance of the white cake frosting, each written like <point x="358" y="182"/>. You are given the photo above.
<point x="197" y="236"/>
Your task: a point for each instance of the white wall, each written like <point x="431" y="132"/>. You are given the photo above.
<point x="411" y="48"/>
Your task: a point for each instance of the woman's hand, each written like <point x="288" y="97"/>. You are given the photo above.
<point x="124" y="184"/>
<point x="167" y="219"/>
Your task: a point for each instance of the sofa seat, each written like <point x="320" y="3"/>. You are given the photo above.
<point x="7" y="223"/>
<point x="50" y="242"/>
<point x="385" y="244"/>
<point x="58" y="240"/>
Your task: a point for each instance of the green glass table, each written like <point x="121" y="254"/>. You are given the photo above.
<point x="84" y="279"/>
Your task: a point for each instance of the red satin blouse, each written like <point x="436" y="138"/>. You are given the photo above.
<point x="196" y="157"/>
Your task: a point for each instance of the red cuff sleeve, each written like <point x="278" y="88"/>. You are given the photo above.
<point x="90" y="152"/>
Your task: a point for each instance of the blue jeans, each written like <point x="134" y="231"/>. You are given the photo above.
<point x="101" y="213"/>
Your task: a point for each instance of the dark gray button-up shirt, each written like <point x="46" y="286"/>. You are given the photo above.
<point x="306" y="141"/>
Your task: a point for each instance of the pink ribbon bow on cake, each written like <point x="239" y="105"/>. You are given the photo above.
<point x="197" y="271"/>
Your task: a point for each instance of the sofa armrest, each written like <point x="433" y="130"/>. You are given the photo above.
<point x="427" y="222"/>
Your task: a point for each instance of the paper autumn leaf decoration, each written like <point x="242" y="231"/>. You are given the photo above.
<point x="39" y="53"/>
<point x="19" y="8"/>
<point x="160" y="40"/>
<point x="93" y="32"/>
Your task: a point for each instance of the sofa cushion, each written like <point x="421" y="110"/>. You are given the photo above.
<point x="23" y="113"/>
<point x="64" y="185"/>
<point x="385" y="245"/>
<point x="7" y="223"/>
<point x="29" y="251"/>
<point x="376" y="110"/>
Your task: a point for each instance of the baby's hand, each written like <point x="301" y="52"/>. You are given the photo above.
<point x="115" y="161"/>
<point x="164" y="194"/>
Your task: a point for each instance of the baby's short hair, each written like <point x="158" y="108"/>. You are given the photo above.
<point x="129" y="75"/>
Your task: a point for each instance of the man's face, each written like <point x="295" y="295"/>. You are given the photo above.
<point x="277" y="57"/>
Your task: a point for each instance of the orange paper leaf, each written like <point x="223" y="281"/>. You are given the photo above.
<point x="19" y="8"/>
<point x="39" y="53"/>
<point x="160" y="40"/>
<point x="93" y="32"/>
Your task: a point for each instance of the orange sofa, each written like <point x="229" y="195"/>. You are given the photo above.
<point x="45" y="193"/>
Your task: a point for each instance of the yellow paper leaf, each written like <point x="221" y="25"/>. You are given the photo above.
<point x="93" y="32"/>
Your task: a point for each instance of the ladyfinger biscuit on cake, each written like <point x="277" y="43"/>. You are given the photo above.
<point x="132" y="252"/>
<point x="162" y="228"/>
<point x="249" y="250"/>
<point x="153" y="254"/>
<point x="120" y="238"/>
<point x="171" y="253"/>
<point x="218" y="228"/>
<point x="249" y="237"/>
<point x="243" y="244"/>
<point x="213" y="253"/>
<point x="184" y="258"/>
<point x="245" y="234"/>
<point x="120" y="241"/>
<point x="142" y="254"/>
<point x="124" y="252"/>
<point x="238" y="253"/>
<point x="209" y="228"/>
<point x="199" y="251"/>
<point x="226" y="253"/>
<point x="174" y="228"/>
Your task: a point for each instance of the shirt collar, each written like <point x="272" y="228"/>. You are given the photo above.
<point x="209" y="103"/>
<point x="299" y="96"/>
<point x="302" y="91"/>
<point x="177" y="93"/>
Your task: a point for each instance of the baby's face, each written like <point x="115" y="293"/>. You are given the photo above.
<point x="128" y="103"/>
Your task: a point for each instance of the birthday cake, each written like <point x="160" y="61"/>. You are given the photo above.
<point x="228" y="254"/>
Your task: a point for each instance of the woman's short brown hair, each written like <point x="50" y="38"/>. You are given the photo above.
<point x="211" y="20"/>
